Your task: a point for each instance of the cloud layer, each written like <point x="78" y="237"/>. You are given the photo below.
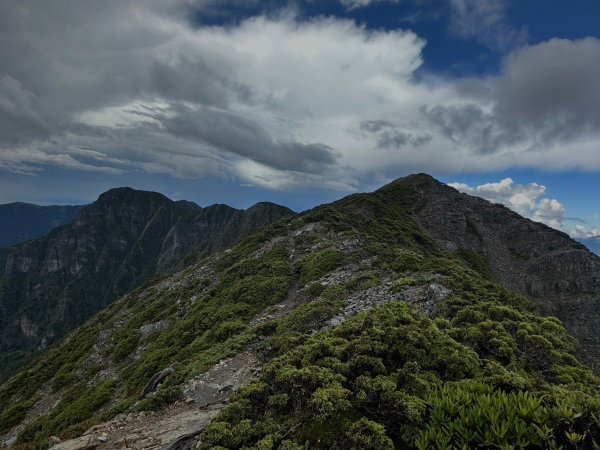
<point x="276" y="101"/>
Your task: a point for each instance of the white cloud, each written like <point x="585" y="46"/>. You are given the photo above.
<point x="526" y="199"/>
<point x="551" y="212"/>
<point x="354" y="4"/>
<point x="276" y="101"/>
<point x="485" y="21"/>
<point x="581" y="231"/>
<point x="523" y="198"/>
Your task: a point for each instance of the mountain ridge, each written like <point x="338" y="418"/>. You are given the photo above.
<point x="364" y="323"/>
<point x="20" y="221"/>
<point x="117" y="243"/>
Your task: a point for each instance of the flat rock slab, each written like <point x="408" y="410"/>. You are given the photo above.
<point x="81" y="443"/>
<point x="185" y="423"/>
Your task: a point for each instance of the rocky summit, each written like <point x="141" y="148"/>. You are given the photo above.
<point x="50" y="285"/>
<point x="410" y="317"/>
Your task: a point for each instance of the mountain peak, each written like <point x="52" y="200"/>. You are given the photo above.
<point x="261" y="206"/>
<point x="127" y="194"/>
<point x="411" y="181"/>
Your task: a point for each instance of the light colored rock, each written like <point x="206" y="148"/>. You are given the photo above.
<point x="53" y="441"/>
<point x="148" y="329"/>
<point x="81" y="443"/>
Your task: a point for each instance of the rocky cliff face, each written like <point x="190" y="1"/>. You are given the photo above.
<point x="50" y="285"/>
<point x="20" y="222"/>
<point x="561" y="275"/>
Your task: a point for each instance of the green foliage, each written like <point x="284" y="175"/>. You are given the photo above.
<point x="368" y="435"/>
<point x="390" y="378"/>
<point x="228" y="329"/>
<point x="14" y="414"/>
<point x="295" y="328"/>
<point x="64" y="376"/>
<point x="75" y="408"/>
<point x="382" y="361"/>
<point x="407" y="260"/>
<point x="477" y="262"/>
<point x="317" y="264"/>
<point x="214" y="328"/>
<point x="161" y="398"/>
<point x="314" y="289"/>
<point x="125" y="342"/>
<point x="363" y="281"/>
<point x="403" y="282"/>
<point x="475" y="415"/>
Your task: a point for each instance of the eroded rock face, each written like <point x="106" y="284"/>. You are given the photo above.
<point x="423" y="298"/>
<point x="558" y="273"/>
<point x="117" y="243"/>
<point x="146" y="330"/>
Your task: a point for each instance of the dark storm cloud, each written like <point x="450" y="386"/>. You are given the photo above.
<point x="244" y="137"/>
<point x="391" y="136"/>
<point x="547" y="94"/>
<point x="20" y="121"/>
<point x="552" y="88"/>
<point x="61" y="61"/>
<point x="468" y="125"/>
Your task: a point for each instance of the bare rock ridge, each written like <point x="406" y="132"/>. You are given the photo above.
<point x="51" y="285"/>
<point x="561" y="275"/>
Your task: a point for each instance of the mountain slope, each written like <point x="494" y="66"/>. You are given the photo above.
<point x="20" y="222"/>
<point x="559" y="274"/>
<point x="348" y="326"/>
<point x="53" y="284"/>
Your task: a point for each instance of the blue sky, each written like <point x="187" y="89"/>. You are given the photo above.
<point x="303" y="102"/>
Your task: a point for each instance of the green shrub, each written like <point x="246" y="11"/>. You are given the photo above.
<point x="165" y="396"/>
<point x="317" y="264"/>
<point x="475" y="416"/>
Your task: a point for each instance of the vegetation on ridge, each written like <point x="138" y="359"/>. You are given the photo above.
<point x="480" y="360"/>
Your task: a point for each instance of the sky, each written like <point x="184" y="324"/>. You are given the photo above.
<point x="302" y="102"/>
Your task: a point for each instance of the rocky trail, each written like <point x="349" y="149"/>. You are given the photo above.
<point x="176" y="427"/>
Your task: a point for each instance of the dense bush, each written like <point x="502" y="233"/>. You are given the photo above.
<point x="475" y="415"/>
<point x="389" y="377"/>
<point x="317" y="264"/>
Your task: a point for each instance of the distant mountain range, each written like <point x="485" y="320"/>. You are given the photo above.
<point x="592" y="243"/>
<point x="50" y="285"/>
<point x="20" y="222"/>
